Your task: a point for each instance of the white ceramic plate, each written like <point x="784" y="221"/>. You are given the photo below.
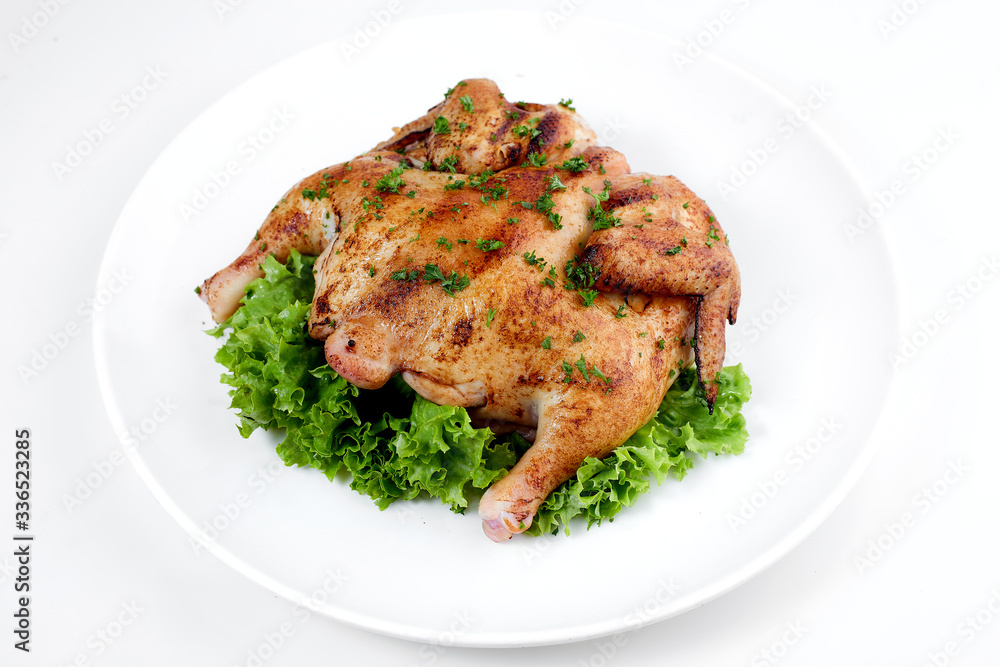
<point x="817" y="319"/>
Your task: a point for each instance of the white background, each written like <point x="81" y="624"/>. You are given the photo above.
<point x="895" y="88"/>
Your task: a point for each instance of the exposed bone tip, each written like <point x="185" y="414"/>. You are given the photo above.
<point x="496" y="531"/>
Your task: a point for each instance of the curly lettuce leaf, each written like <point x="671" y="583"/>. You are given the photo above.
<point x="682" y="426"/>
<point x="395" y="445"/>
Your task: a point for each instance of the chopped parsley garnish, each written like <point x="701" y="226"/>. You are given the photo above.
<point x="392" y="181"/>
<point x="661" y="344"/>
<point x="578" y="336"/>
<point x="449" y="163"/>
<point x="445" y="242"/>
<point x="568" y="370"/>
<point x="441" y="125"/>
<point x="576" y="164"/>
<point x="569" y="143"/>
<point x="513" y="221"/>
<point x="547" y="343"/>
<point x="566" y="103"/>
<point x="676" y="250"/>
<point x="455" y="185"/>
<point x="647" y="181"/>
<point x="581" y="365"/>
<point x="580" y="276"/>
<point x="544" y="204"/>
<point x="490" y="245"/>
<point x="313" y="195"/>
<point x="713" y="233"/>
<point x="554" y="183"/>
<point x="685" y="205"/>
<point x="597" y="372"/>
<point x="533" y="260"/>
<point x="450" y="283"/>
<point x="621" y="312"/>
<point x="513" y="115"/>
<point x="525" y="131"/>
<point x="490" y="314"/>
<point x="463" y="126"/>
<point x="602" y="219"/>
<point x="403" y="275"/>
<point x="371" y="271"/>
<point x="536" y="160"/>
<point x="467" y="103"/>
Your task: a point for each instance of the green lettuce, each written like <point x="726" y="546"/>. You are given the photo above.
<point x="395" y="445"/>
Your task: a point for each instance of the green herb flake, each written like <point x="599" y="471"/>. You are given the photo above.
<point x="441" y="125"/>
<point x="488" y="245"/>
<point x="392" y="181"/>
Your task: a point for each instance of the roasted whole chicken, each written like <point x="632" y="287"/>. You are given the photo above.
<point x="501" y="261"/>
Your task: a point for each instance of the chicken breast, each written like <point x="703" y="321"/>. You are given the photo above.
<point x="502" y="262"/>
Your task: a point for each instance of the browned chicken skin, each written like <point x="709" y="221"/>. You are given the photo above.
<point x="502" y="262"/>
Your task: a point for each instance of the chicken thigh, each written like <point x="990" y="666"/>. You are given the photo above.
<point x="502" y="262"/>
